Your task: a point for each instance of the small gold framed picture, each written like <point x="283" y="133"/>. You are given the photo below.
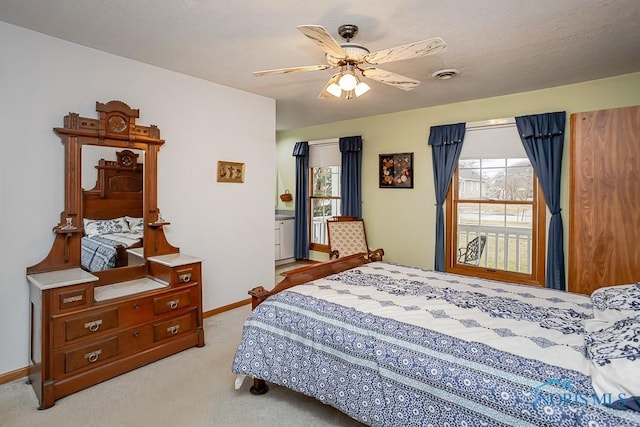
<point x="230" y="172"/>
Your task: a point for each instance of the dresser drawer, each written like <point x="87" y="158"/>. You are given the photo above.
<point x="91" y="354"/>
<point x="90" y="323"/>
<point x="71" y="297"/>
<point x="186" y="274"/>
<point x="106" y="348"/>
<point x="189" y="273"/>
<point x="135" y="339"/>
<point x="172" y="302"/>
<point x="176" y="276"/>
<point x="176" y="326"/>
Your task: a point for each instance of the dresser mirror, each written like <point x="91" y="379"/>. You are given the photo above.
<point x="112" y="206"/>
<point x="110" y="194"/>
<point x="91" y="156"/>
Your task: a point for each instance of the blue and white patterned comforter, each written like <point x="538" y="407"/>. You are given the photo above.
<point x="392" y="345"/>
<point x="99" y="252"/>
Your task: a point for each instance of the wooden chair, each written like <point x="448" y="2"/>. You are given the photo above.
<point x="343" y="218"/>
<point x="347" y="237"/>
<point x="472" y="253"/>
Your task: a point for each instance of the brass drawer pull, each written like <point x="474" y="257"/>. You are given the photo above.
<point x="94" y="325"/>
<point x="173" y="304"/>
<point x="93" y="356"/>
<point x="74" y="298"/>
<point x="186" y="277"/>
<point x="173" y="329"/>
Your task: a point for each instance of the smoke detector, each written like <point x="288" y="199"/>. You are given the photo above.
<point x="445" y="74"/>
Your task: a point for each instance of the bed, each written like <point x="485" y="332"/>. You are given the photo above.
<point x="106" y="242"/>
<point x="112" y="211"/>
<point x="393" y="345"/>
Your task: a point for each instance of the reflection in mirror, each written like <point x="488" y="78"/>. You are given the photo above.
<point x="112" y="193"/>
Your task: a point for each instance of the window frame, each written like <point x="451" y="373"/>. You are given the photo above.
<point x="538" y="234"/>
<point x="319" y="247"/>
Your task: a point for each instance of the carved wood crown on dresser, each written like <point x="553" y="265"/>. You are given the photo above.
<point x="88" y="327"/>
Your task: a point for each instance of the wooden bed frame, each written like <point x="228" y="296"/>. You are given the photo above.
<point x="118" y="192"/>
<point x="303" y="275"/>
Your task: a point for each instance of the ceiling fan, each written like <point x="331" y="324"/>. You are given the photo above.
<point x="352" y="57"/>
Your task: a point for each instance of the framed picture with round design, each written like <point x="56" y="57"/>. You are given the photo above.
<point x="396" y="170"/>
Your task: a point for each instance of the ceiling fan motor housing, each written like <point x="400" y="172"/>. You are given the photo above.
<point x="348" y="31"/>
<point x="355" y="52"/>
<point x="355" y="55"/>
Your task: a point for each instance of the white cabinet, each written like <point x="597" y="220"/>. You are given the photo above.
<point x="277" y="240"/>
<point x="287" y="230"/>
<point x="284" y="236"/>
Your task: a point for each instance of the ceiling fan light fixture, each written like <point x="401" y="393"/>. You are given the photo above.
<point x="348" y="81"/>
<point x="334" y="90"/>
<point x="361" y="88"/>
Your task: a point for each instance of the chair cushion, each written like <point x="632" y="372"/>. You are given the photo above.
<point x="347" y="237"/>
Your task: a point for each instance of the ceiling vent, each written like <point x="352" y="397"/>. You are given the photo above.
<point x="445" y="74"/>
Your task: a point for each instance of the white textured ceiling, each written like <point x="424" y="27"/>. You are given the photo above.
<point x="499" y="46"/>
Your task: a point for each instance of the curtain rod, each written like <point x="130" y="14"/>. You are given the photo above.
<point x="324" y="141"/>
<point x="507" y="121"/>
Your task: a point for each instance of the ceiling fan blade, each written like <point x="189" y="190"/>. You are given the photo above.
<point x="322" y="38"/>
<point x="407" y="51"/>
<point x="389" y="78"/>
<point x="325" y="94"/>
<point x="291" y="70"/>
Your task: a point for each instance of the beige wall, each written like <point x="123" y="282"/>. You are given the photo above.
<point x="403" y="221"/>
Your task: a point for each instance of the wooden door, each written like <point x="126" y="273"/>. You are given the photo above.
<point x="604" y="227"/>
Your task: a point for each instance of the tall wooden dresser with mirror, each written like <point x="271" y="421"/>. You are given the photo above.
<point x="112" y="294"/>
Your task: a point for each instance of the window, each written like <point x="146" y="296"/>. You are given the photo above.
<point x="324" y="192"/>
<point x="495" y="199"/>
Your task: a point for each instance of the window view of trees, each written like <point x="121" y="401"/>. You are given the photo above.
<point x="495" y="199"/>
<point x="495" y="179"/>
<point x="326" y="187"/>
<point x="325" y="202"/>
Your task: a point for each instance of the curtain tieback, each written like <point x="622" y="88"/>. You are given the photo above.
<point x="556" y="212"/>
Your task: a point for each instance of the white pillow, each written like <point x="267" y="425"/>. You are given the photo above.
<point x="616" y="302"/>
<point x="614" y="350"/>
<point x="136" y="225"/>
<point x="97" y="227"/>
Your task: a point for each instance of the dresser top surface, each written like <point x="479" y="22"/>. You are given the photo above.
<point x="60" y="278"/>
<point x="174" y="260"/>
<point x="130" y="287"/>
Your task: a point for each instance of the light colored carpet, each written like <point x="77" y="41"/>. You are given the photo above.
<point x="192" y="388"/>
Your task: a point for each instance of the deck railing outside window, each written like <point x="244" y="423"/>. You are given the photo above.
<point x="507" y="248"/>
<point x="319" y="230"/>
